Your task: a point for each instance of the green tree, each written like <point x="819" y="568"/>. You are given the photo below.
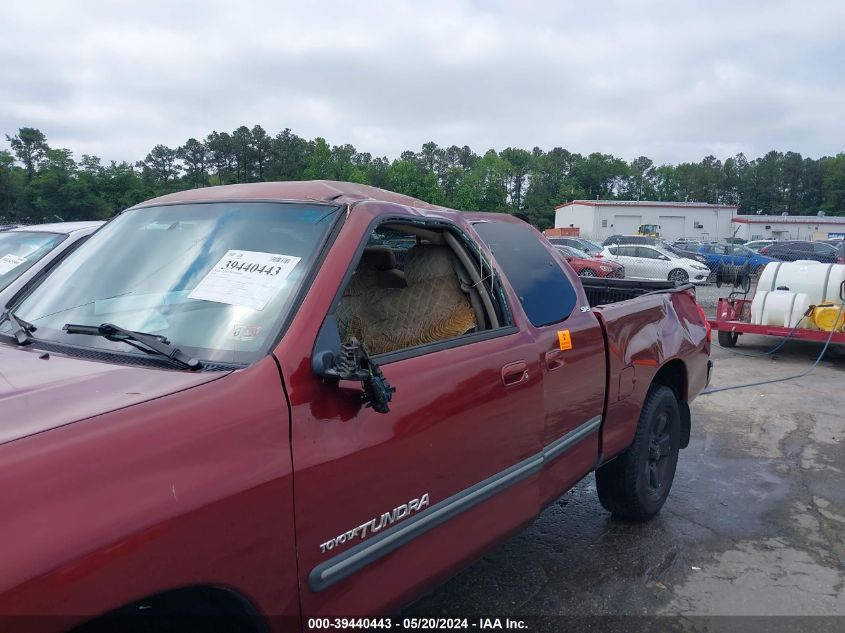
<point x="195" y="156"/>
<point x="29" y="146"/>
<point x="640" y="179"/>
<point x="244" y="154"/>
<point x="320" y="165"/>
<point x="289" y="156"/>
<point x="12" y="183"/>
<point x="37" y="182"/>
<point x="160" y="166"/>
<point x="516" y="164"/>
<point x="221" y="152"/>
<point x="833" y="185"/>
<point x="409" y="178"/>
<point x="600" y="176"/>
<point x="261" y="147"/>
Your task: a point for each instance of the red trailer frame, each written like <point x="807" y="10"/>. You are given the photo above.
<point x="733" y="318"/>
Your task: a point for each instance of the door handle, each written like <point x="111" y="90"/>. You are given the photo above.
<point x="553" y="359"/>
<point x="515" y="373"/>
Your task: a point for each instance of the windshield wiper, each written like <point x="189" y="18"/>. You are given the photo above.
<point x="22" y="329"/>
<point x="157" y="344"/>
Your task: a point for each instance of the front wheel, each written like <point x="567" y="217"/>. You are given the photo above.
<point x="728" y="339"/>
<point x="679" y="276"/>
<point x="635" y="485"/>
<point x="587" y="273"/>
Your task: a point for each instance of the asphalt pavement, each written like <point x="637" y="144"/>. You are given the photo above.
<point x="754" y="525"/>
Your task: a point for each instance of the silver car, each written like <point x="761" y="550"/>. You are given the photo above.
<point x="25" y="251"/>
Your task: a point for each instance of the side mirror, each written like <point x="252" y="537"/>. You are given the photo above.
<point x="664" y="258"/>
<point x="337" y="361"/>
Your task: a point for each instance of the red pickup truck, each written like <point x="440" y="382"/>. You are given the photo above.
<point x="283" y="401"/>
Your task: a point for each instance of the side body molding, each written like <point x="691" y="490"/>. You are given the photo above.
<point x="355" y="558"/>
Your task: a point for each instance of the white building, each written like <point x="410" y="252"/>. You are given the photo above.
<point x="789" y="227"/>
<point x="599" y="219"/>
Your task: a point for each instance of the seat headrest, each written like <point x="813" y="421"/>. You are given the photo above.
<point x="380" y="257"/>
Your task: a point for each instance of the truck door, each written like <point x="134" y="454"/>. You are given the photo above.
<point x="386" y="503"/>
<point x="570" y="349"/>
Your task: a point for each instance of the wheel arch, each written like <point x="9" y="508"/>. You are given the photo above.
<point x="185" y="607"/>
<point x="673" y="374"/>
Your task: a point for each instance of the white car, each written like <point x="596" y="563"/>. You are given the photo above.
<point x="756" y="245"/>
<point x="25" y="251"/>
<point x="652" y="262"/>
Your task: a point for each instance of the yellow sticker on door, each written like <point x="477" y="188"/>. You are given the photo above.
<point x="564" y="339"/>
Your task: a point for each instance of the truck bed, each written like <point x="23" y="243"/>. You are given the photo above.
<point x="604" y="291"/>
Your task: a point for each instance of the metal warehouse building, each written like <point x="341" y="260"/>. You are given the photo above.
<point x="789" y="227"/>
<point x="599" y="219"/>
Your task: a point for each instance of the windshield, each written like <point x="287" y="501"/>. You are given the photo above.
<point x="20" y="250"/>
<point x="215" y="279"/>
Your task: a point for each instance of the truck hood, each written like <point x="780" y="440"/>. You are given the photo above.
<point x="38" y="394"/>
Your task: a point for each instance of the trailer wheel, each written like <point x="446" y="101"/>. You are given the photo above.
<point x="728" y="339"/>
<point x="635" y="485"/>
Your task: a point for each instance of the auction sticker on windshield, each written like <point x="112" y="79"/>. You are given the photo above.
<point x="8" y="262"/>
<point x="245" y="278"/>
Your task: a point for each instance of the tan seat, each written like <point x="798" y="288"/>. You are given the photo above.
<point x="431" y="308"/>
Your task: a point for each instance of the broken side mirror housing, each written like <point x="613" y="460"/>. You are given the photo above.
<point x="336" y="361"/>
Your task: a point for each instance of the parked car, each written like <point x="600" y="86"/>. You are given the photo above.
<point x="634" y="239"/>
<point x="840" y="253"/>
<point x="756" y="245"/>
<point x="26" y="251"/>
<point x="651" y="262"/>
<point x="587" y="266"/>
<point x="654" y="241"/>
<point x="582" y="244"/>
<point x="688" y="251"/>
<point x="734" y="256"/>
<point x="794" y="250"/>
<point x="687" y="242"/>
<point x="235" y="402"/>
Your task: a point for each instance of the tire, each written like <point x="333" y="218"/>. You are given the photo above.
<point x="679" y="275"/>
<point x="728" y="339"/>
<point x="635" y="485"/>
<point x="586" y="272"/>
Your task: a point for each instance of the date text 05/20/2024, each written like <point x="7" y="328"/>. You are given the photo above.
<point x="435" y="624"/>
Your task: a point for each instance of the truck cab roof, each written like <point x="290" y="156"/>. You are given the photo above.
<point x="328" y="191"/>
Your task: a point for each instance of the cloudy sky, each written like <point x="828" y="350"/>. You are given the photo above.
<point x="671" y="80"/>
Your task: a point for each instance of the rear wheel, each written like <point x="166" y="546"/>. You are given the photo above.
<point x="679" y="275"/>
<point x="587" y="273"/>
<point x="635" y="485"/>
<point x="728" y="339"/>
